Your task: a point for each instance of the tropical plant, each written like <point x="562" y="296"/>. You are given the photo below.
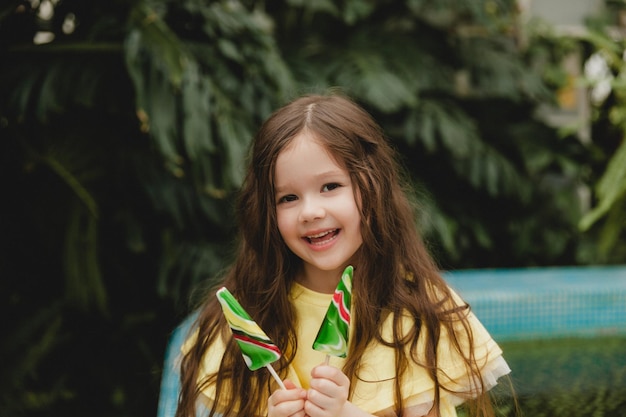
<point x="601" y="47"/>
<point x="457" y="90"/>
<point x="606" y="79"/>
<point x="124" y="130"/>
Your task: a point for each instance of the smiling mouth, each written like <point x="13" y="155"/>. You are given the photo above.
<point x="322" y="238"/>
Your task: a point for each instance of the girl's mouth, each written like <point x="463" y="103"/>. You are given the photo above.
<point x="322" y="238"/>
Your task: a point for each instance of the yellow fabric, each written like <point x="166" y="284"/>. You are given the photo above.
<point x="209" y="365"/>
<point x="310" y="308"/>
<point x="373" y="392"/>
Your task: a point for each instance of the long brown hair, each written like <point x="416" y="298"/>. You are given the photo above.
<point x="396" y="274"/>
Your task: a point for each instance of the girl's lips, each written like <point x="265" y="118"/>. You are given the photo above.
<point x="322" y="238"/>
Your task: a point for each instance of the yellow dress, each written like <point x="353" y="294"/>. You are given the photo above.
<point x="373" y="392"/>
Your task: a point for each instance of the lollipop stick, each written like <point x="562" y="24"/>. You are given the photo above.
<point x="327" y="360"/>
<point x="275" y="375"/>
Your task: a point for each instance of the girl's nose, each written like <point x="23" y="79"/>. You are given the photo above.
<point x="312" y="210"/>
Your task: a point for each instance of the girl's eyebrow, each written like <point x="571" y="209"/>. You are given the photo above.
<point x="335" y="172"/>
<point x="320" y="177"/>
<point x="278" y="190"/>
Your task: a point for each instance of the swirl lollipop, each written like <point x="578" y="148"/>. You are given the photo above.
<point x="256" y="347"/>
<point x="333" y="334"/>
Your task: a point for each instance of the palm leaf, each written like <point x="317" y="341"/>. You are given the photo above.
<point x="610" y="190"/>
<point x="83" y="276"/>
<point x="442" y="125"/>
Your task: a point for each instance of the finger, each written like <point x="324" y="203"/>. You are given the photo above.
<point x="330" y="381"/>
<point x="331" y="373"/>
<point x="325" y="396"/>
<point x="289" y="384"/>
<point x="289" y="402"/>
<point x="292" y="393"/>
<point x="313" y="410"/>
<point x="320" y="399"/>
<point x="288" y="408"/>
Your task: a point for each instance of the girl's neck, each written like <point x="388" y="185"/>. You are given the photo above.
<point x="318" y="280"/>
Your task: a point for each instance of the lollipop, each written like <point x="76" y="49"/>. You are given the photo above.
<point x="256" y="347"/>
<point x="332" y="337"/>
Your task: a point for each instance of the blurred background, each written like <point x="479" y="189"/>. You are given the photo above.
<point x="124" y="128"/>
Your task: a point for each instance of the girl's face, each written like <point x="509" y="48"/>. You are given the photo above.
<point x="318" y="217"/>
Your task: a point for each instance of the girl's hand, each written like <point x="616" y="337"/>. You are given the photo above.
<point x="328" y="392"/>
<point x="287" y="402"/>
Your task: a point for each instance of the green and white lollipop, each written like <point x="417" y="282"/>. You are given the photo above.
<point x="333" y="335"/>
<point x="256" y="347"/>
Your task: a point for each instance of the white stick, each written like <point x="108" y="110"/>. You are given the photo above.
<point x="327" y="360"/>
<point x="275" y="375"/>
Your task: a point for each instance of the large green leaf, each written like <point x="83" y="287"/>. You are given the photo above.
<point x="187" y="91"/>
<point x="611" y="191"/>
<point x="443" y="126"/>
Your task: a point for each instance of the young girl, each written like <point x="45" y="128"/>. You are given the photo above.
<point x="323" y="191"/>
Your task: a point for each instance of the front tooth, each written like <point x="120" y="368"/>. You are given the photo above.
<point x="318" y="235"/>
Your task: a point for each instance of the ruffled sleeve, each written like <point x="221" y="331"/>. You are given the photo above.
<point x="208" y="366"/>
<point x="374" y="391"/>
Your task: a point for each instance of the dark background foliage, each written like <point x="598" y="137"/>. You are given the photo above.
<point x="123" y="141"/>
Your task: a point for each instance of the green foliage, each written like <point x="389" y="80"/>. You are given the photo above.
<point x="219" y="69"/>
<point x="568" y="377"/>
<point x="607" y="217"/>
<point x="457" y="95"/>
<point x="123" y="142"/>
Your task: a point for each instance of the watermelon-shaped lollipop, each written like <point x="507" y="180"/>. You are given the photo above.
<point x="333" y="334"/>
<point x="256" y="347"/>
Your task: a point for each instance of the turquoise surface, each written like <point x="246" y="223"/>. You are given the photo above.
<point x="517" y="304"/>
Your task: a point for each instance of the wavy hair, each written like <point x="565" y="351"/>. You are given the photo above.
<point x="396" y="274"/>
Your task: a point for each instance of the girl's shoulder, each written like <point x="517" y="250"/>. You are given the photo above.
<point x="377" y="370"/>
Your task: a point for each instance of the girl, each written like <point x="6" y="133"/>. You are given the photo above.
<point x="323" y="191"/>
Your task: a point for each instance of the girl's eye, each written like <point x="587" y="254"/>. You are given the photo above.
<point x="330" y="187"/>
<point x="287" y="198"/>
